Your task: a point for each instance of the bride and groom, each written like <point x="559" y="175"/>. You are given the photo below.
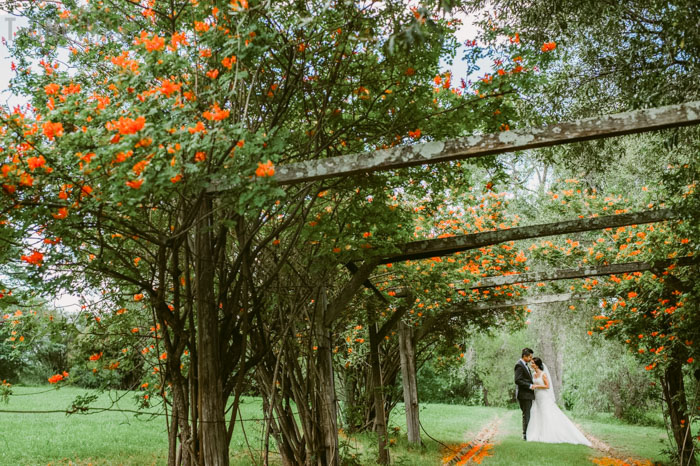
<point x="543" y="421"/>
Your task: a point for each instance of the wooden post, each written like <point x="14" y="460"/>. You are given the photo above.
<point x="326" y="389"/>
<point x="377" y="389"/>
<point x="407" y="351"/>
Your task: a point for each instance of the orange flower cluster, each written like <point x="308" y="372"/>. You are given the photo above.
<point x="549" y="46"/>
<point x="134" y="184"/>
<point x="96" y="356"/>
<point x="62" y="213"/>
<point x="152" y="44"/>
<point x="265" y="169"/>
<point x="58" y="377"/>
<point x="52" y="130"/>
<point x="34" y="258"/>
<point x="216" y="114"/>
<point x="168" y="87"/>
<point x="36" y="162"/>
<point x="127" y="125"/>
<point x="125" y="63"/>
<point x="228" y="62"/>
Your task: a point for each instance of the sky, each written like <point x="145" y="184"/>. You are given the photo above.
<point x="9" y="25"/>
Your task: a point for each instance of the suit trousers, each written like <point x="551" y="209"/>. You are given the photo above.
<point x="525" y="406"/>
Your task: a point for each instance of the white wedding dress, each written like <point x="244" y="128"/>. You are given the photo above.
<point x="547" y="422"/>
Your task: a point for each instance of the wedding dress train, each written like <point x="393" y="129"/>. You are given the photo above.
<point x="548" y="423"/>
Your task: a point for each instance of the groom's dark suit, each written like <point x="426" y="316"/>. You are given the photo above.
<point x="523" y="392"/>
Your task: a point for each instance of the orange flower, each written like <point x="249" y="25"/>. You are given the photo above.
<point x="197" y="128"/>
<point x="62" y="213"/>
<point x="414" y="134"/>
<point x="265" y="169"/>
<point x="176" y="178"/>
<point x="153" y="44"/>
<point x="216" y="114"/>
<point x="34" y="258"/>
<point x="212" y="74"/>
<point x="52" y="130"/>
<point x="632" y="294"/>
<point x="168" y="87"/>
<point x="201" y="26"/>
<point x="95" y="356"/>
<point x="51" y="89"/>
<point x="549" y="46"/>
<point x="135" y="184"/>
<point x="139" y="167"/>
<point x="690" y="360"/>
<point x="36" y="162"/>
<point x="135" y="330"/>
<point x="55" y="378"/>
<point x="229" y="61"/>
<point x="127" y="125"/>
<point x="200" y="156"/>
<point x="138" y="297"/>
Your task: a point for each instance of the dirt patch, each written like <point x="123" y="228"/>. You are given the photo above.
<point x="612" y="457"/>
<point x="476" y="450"/>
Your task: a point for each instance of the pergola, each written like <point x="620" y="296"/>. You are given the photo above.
<point x="362" y="266"/>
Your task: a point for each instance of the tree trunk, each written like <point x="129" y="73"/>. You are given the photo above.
<point x="328" y="402"/>
<point x="377" y="391"/>
<point x="674" y="395"/>
<point x="410" y="387"/>
<point x="214" y="447"/>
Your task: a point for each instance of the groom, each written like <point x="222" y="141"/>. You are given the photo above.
<point x="523" y="387"/>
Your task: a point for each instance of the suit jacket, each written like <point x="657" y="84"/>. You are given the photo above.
<point x="523" y="380"/>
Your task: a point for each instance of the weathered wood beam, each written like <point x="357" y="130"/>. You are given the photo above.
<point x="527" y="301"/>
<point x="444" y="246"/>
<point x="583" y="272"/>
<point x="637" y="121"/>
<point x="467" y="309"/>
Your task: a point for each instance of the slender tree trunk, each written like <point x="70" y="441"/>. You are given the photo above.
<point x="378" y="395"/>
<point x="326" y="390"/>
<point x="674" y="393"/>
<point x="407" y="352"/>
<point x="214" y="447"/>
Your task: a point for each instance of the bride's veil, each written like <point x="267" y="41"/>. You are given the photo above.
<point x="550" y="391"/>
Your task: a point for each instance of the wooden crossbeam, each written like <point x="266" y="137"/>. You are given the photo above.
<point x="583" y="272"/>
<point x="528" y="301"/>
<point x="444" y="246"/>
<point x="637" y="121"/>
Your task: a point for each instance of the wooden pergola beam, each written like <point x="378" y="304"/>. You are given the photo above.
<point x="444" y="246"/>
<point x="527" y="301"/>
<point x="637" y="121"/>
<point x="583" y="272"/>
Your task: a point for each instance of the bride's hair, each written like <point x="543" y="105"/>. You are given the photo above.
<point x="538" y="362"/>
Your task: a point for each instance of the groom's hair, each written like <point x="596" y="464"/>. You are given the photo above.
<point x="527" y="352"/>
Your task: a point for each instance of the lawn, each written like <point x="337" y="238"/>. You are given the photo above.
<point x="110" y="438"/>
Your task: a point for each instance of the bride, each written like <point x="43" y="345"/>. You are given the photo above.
<point x="547" y="422"/>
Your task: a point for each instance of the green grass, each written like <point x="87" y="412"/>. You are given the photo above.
<point x="111" y="438"/>
<point x="100" y="438"/>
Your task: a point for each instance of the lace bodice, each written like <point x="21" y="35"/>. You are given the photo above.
<point x="538" y="380"/>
